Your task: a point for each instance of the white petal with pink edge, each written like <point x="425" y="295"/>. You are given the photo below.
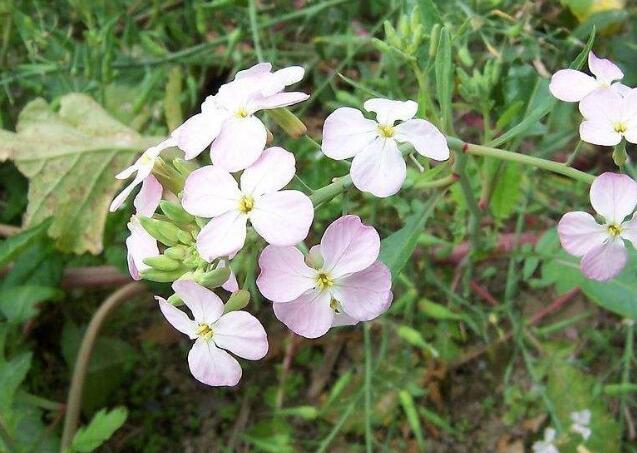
<point x="213" y="366"/>
<point x="273" y="171"/>
<point x="222" y="236"/>
<point x="148" y="198"/>
<point x="569" y="85"/>
<point x="242" y="334"/>
<point x="605" y="261"/>
<point x="206" y="307"/>
<point x="380" y="169"/>
<point x="198" y="132"/>
<point x="239" y="144"/>
<point x="284" y="275"/>
<point x="364" y="295"/>
<point x="309" y="316"/>
<point x="605" y="70"/>
<point x="210" y="191"/>
<point x="614" y="196"/>
<point x="346" y="133"/>
<point x="424" y="137"/>
<point x="579" y="233"/>
<point x="177" y="318"/>
<point x="282" y="218"/>
<point x="389" y="111"/>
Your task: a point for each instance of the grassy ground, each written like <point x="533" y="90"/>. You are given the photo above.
<point x="480" y="351"/>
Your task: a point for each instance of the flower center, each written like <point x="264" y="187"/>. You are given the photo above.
<point x="323" y="281"/>
<point x="620" y="128"/>
<point x="204" y="331"/>
<point x="246" y="204"/>
<point x="386" y="130"/>
<point x="241" y="112"/>
<point x="614" y="230"/>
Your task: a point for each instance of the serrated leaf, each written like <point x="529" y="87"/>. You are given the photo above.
<point x="71" y="158"/>
<point x="99" y="430"/>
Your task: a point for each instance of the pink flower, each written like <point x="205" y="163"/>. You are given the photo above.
<point x="609" y="116"/>
<point x="342" y="282"/>
<point x="378" y="166"/>
<point x="613" y="197"/>
<point x="281" y="217"/>
<point x="140" y="244"/>
<point x="143" y="167"/>
<point x="570" y="85"/>
<point x="238" y="332"/>
<point x="227" y="119"/>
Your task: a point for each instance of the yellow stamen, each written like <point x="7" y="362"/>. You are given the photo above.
<point x="246" y="204"/>
<point x="323" y="281"/>
<point x="241" y="113"/>
<point x="620" y="128"/>
<point x="204" y="331"/>
<point x="614" y="230"/>
<point x="386" y="130"/>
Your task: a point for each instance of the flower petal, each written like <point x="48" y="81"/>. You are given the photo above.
<point x="276" y="101"/>
<point x="569" y="85"/>
<point x="148" y="198"/>
<point x="349" y="246"/>
<point x="388" y="111"/>
<point x="282" y="218"/>
<point x="258" y="69"/>
<point x="605" y="261"/>
<point x="213" y="366"/>
<point x="346" y="133"/>
<point x="309" y="316"/>
<point x="123" y="195"/>
<point x="239" y="144"/>
<point x="199" y="131"/>
<point x="177" y="318"/>
<point x="284" y="275"/>
<point x="365" y="295"/>
<point x="380" y="169"/>
<point x="242" y="334"/>
<point x="222" y="236"/>
<point x="342" y="319"/>
<point x="579" y="233"/>
<point x="613" y="196"/>
<point x="231" y="285"/>
<point x="140" y="245"/>
<point x="599" y="133"/>
<point x="273" y="171"/>
<point x="277" y="81"/>
<point x="206" y="307"/>
<point x="605" y="70"/>
<point x="425" y="138"/>
<point x="602" y="106"/>
<point x="210" y="191"/>
<point x="629" y="230"/>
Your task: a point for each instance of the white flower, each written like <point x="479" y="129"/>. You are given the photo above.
<point x="581" y="420"/>
<point x="548" y="444"/>
<point x="609" y="116"/>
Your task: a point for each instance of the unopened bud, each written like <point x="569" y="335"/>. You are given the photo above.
<point x="175" y="300"/>
<point x="175" y="212"/>
<point x="185" y="167"/>
<point x="178" y="252"/>
<point x="155" y="275"/>
<point x="215" y="278"/>
<point x="288" y="121"/>
<point x="162" y="263"/>
<point x="164" y="232"/>
<point x="184" y="237"/>
<point x="237" y="301"/>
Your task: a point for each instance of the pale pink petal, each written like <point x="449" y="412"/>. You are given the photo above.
<point x="205" y="305"/>
<point x="620" y="88"/>
<point x="346" y="133"/>
<point x="231" y="284"/>
<point x="388" y="111"/>
<point x="364" y="295"/>
<point x="629" y="230"/>
<point x="222" y="236"/>
<point x="242" y="334"/>
<point x="239" y="144"/>
<point x="123" y="195"/>
<point x="605" y="70"/>
<point x="349" y="246"/>
<point x="569" y="85"/>
<point x="148" y="198"/>
<point x="613" y="196"/>
<point x="380" y="169"/>
<point x="314" y="258"/>
<point x="309" y="316"/>
<point x="284" y="275"/>
<point x="342" y="319"/>
<point x="273" y="171"/>
<point x="579" y="233"/>
<point x="276" y="82"/>
<point x="140" y="245"/>
<point x="282" y="218"/>
<point x="258" y="69"/>
<point x="602" y="106"/>
<point x="276" y="101"/>
<point x="213" y="366"/>
<point x="605" y="261"/>
<point x="127" y="172"/>
<point x="629" y="114"/>
<point x="599" y="133"/>
<point x="425" y="138"/>
<point x="177" y="318"/>
<point x="198" y="132"/>
<point x="210" y="191"/>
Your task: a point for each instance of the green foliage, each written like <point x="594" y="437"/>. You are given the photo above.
<point x="99" y="430"/>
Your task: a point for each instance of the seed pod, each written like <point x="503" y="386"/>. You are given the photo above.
<point x="237" y="301"/>
<point x="162" y="263"/>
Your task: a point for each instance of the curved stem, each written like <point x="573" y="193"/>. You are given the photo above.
<point x="74" y="400"/>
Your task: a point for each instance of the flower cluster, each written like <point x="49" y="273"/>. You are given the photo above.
<point x="581" y="421"/>
<point x="209" y="217"/>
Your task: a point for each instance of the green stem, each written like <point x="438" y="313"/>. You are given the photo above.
<point x="368" y="389"/>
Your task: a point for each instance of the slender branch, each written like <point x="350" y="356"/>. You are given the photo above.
<point x="74" y="401"/>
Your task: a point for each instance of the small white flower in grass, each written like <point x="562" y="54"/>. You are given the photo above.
<point x="215" y="333"/>
<point x="142" y="167"/>
<point x="601" y="246"/>
<point x="378" y="166"/>
<point x="281" y="217"/>
<point x="581" y="421"/>
<point x="342" y="282"/>
<point x="570" y="85"/>
<point x="609" y="116"/>
<point x="141" y="245"/>
<point x="227" y="119"/>
<point x="548" y="444"/>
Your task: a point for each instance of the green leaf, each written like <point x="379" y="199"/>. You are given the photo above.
<point x="14" y="245"/>
<point x="71" y="158"/>
<point x="429" y="14"/>
<point x="18" y="304"/>
<point x="444" y="76"/>
<point x="99" y="430"/>
<point x="407" y="402"/>
<point x="397" y="248"/>
<point x="12" y="373"/>
<point x="506" y="193"/>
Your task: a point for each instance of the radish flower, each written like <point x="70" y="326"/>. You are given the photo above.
<point x="601" y="246"/>
<point x="581" y="421"/>
<point x="281" y="217"/>
<point x="214" y="333"/>
<point x="341" y="283"/>
<point x="547" y="445"/>
<point x="570" y="85"/>
<point x="227" y="119"/>
<point x="609" y="116"/>
<point x="378" y="166"/>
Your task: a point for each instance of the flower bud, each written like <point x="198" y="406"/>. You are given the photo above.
<point x="162" y="263"/>
<point x="175" y="300"/>
<point x="184" y="237"/>
<point x="178" y="252"/>
<point x="237" y="301"/>
<point x="175" y="212"/>
<point x="155" y="275"/>
<point x="288" y="121"/>
<point x="215" y="278"/>
<point x="185" y="167"/>
<point x="164" y="232"/>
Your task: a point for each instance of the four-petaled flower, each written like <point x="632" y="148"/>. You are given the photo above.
<point x="548" y="444"/>
<point x="227" y="119"/>
<point x="281" y="217"/>
<point x="570" y="85"/>
<point x="378" y="166"/>
<point x="613" y="196"/>
<point x="581" y="421"/>
<point x="342" y="282"/>
<point x="214" y="332"/>
<point x="609" y="116"/>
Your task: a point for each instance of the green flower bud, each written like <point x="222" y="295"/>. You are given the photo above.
<point x="184" y="237"/>
<point x="288" y="121"/>
<point x="178" y="252"/>
<point x="175" y="300"/>
<point x="164" y="232"/>
<point x="237" y="301"/>
<point x="162" y="263"/>
<point x="175" y="212"/>
<point x="155" y="275"/>
<point x="215" y="278"/>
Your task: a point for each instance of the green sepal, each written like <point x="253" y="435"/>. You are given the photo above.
<point x="237" y="301"/>
<point x="288" y="121"/>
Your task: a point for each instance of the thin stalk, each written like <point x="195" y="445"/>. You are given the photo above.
<point x="252" y="12"/>
<point x="368" y="389"/>
<point x="627" y="359"/>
